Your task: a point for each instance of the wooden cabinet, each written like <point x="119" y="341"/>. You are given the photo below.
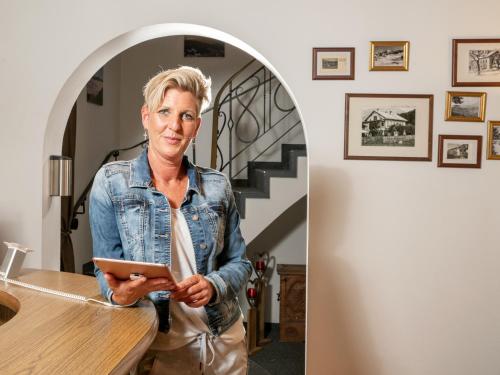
<point x="292" y="302"/>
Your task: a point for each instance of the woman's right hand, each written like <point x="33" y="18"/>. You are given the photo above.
<point x="127" y="292"/>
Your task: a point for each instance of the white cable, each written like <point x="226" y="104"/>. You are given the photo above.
<point x="55" y="292"/>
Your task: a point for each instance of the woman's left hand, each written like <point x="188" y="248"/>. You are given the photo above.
<point x="195" y="291"/>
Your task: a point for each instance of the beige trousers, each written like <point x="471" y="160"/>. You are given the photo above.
<point x="221" y="359"/>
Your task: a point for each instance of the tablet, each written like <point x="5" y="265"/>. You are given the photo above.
<point x="127" y="269"/>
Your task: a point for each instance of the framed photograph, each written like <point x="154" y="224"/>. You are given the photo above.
<point x="494" y="140"/>
<point x="476" y="62"/>
<point x="460" y="151"/>
<point x="197" y="46"/>
<point x="388" y="127"/>
<point x="95" y="88"/>
<point x="389" y="56"/>
<point x="465" y="106"/>
<point x="333" y="63"/>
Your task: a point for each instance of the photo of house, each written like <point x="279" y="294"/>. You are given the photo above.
<point x="392" y="126"/>
<point x="484" y="62"/>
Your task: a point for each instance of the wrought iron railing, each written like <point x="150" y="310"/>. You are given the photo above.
<point x="249" y="105"/>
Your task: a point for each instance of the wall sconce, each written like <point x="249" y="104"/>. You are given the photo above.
<point x="61" y="176"/>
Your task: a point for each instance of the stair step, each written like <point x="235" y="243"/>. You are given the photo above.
<point x="250" y="192"/>
<point x="260" y="172"/>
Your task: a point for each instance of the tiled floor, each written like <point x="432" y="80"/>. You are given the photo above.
<point x="278" y="358"/>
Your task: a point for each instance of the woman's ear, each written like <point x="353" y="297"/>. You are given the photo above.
<point x="197" y="128"/>
<point x="145" y="116"/>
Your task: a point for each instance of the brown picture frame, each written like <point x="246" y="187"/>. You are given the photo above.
<point x="333" y="65"/>
<point x="405" y="45"/>
<point x="459" y="151"/>
<point x="463" y="72"/>
<point x="365" y="138"/>
<point x="493" y="137"/>
<point x="458" y="112"/>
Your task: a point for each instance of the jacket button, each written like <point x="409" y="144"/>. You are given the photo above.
<point x="203" y="245"/>
<point x="195" y="217"/>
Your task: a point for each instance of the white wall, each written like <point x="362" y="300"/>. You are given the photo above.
<point x="423" y="300"/>
<point x="97" y="133"/>
<point x="285" y="242"/>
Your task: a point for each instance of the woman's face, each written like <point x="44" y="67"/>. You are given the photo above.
<point x="172" y="126"/>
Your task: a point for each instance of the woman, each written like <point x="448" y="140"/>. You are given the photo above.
<point x="161" y="208"/>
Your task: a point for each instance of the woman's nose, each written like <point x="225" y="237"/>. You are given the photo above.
<point x="174" y="123"/>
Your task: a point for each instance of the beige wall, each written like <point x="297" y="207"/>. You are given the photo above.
<point x="403" y="260"/>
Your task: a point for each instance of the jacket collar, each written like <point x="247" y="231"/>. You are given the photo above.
<point x="140" y="172"/>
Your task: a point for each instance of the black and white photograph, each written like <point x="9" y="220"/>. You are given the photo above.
<point x="95" y="88"/>
<point x="476" y="62"/>
<point x="484" y="62"/>
<point x="333" y="63"/>
<point x="494" y="140"/>
<point x="465" y="106"/>
<point x="457" y="150"/>
<point x="388" y="127"/>
<point x="197" y="46"/>
<point x="389" y="56"/>
<point x="460" y="151"/>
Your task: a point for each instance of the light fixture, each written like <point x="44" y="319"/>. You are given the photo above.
<point x="61" y="176"/>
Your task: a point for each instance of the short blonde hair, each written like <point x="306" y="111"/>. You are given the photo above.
<point x="184" y="78"/>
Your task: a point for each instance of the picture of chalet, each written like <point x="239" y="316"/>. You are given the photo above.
<point x="483" y="61"/>
<point x="388" y="127"/>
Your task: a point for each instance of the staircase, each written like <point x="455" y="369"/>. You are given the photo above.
<point x="271" y="187"/>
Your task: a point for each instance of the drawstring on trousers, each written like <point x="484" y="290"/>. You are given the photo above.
<point x="204" y="340"/>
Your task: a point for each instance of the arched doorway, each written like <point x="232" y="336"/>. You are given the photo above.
<point x="73" y="86"/>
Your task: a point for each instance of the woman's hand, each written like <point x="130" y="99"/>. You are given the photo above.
<point x="195" y="291"/>
<point x="126" y="292"/>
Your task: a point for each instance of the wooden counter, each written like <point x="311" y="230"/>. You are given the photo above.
<point x="56" y="335"/>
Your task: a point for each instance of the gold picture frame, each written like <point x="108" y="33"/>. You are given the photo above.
<point x="494" y="140"/>
<point x="389" y="55"/>
<point x="465" y="106"/>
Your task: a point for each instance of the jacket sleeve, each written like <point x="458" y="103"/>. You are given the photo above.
<point x="106" y="241"/>
<point x="234" y="267"/>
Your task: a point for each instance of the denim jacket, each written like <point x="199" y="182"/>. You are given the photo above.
<point x="130" y="220"/>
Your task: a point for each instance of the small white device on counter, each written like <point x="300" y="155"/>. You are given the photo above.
<point x="13" y="260"/>
<point x="11" y="266"/>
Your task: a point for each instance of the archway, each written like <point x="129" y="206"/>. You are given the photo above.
<point x="71" y="89"/>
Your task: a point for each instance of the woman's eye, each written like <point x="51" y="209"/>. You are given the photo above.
<point x="187" y="116"/>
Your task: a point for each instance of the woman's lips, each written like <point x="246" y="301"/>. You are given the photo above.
<point x="172" y="140"/>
